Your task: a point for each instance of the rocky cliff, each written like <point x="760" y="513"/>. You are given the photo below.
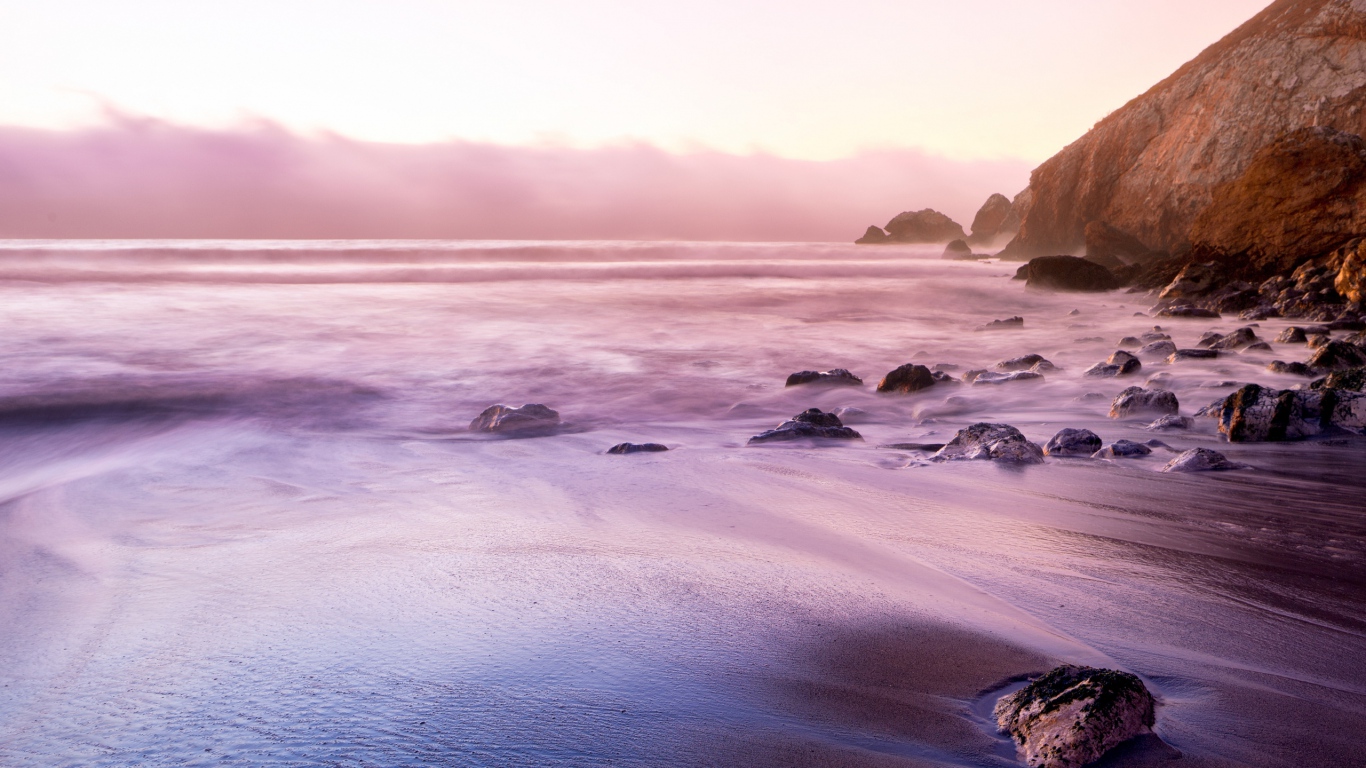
<point x="1151" y="168"/>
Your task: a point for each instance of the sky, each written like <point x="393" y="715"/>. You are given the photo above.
<point x="968" y="81"/>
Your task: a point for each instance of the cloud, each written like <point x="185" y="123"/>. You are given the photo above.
<point x="133" y="178"/>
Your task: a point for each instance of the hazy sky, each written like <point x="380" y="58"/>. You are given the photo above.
<point x="797" y="78"/>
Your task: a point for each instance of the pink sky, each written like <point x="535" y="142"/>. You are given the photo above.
<point x="864" y="106"/>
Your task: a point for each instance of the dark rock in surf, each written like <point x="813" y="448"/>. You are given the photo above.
<point x="809" y="424"/>
<point x="527" y="419"/>
<point x="1294" y="369"/>
<point x="1120" y="363"/>
<point x="906" y="379"/>
<point x="1337" y="355"/>
<point x="1186" y="310"/>
<point x="1208" y="339"/>
<point x="995" y="442"/>
<point x="1008" y="324"/>
<point x="1122" y="449"/>
<point x="1068" y="273"/>
<point x="1170" y="422"/>
<point x="1073" y="442"/>
<point x="1192" y="354"/>
<point x="1201" y="460"/>
<point x="1036" y="363"/>
<point x="1074" y="715"/>
<point x="1292" y="335"/>
<point x="1238" y="339"/>
<point x="623" y="449"/>
<point x="991" y="377"/>
<point x="1353" y="379"/>
<point x="1129" y="342"/>
<point x="1136" y="401"/>
<point x="1256" y="413"/>
<point x="1158" y="349"/>
<point x="835" y="376"/>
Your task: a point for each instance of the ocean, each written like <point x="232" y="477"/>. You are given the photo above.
<point x="244" y="521"/>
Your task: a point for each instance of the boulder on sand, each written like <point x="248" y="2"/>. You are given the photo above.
<point x="527" y="419"/>
<point x="1256" y="413"/>
<point x="1201" y="460"/>
<point x="1068" y="273"/>
<point x="812" y="423"/>
<point x="836" y="376"/>
<point x="1073" y="442"/>
<point x="996" y="442"/>
<point x="1136" y="401"/>
<point x="906" y="379"/>
<point x="924" y="226"/>
<point x="1073" y="715"/>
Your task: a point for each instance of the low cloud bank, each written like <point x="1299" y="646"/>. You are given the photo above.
<point x="148" y="179"/>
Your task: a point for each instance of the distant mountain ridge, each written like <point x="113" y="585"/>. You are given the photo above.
<point x="1152" y="167"/>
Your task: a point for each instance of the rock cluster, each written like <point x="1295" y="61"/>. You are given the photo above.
<point x="1073" y="715"/>
<point x="809" y="424"/>
<point x="996" y="442"/>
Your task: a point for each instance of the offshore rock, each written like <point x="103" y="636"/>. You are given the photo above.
<point x="1073" y="715"/>
<point x="1255" y="413"/>
<point x="924" y="226"/>
<point x="1136" y="401"/>
<point x="997" y="442"/>
<point x="530" y="418"/>
<point x="906" y="379"/>
<point x="622" y="449"/>
<point x="994" y="220"/>
<point x="1201" y="460"/>
<point x="1122" y="449"/>
<point x="809" y="424"/>
<point x="837" y="376"/>
<point x="1151" y="167"/>
<point x="958" y="250"/>
<point x="874" y="236"/>
<point x="1073" y="442"/>
<point x="1068" y="273"/>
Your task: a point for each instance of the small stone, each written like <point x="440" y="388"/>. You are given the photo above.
<point x="1186" y="311"/>
<point x="1258" y="346"/>
<point x="1120" y="363"/>
<point x="1129" y="342"/>
<point x="1137" y="400"/>
<point x="1208" y="338"/>
<point x="1292" y="335"/>
<point x="1294" y="369"/>
<point x="532" y="417"/>
<point x="1158" y="349"/>
<point x="1073" y="715"/>
<point x="1155" y="334"/>
<point x="1008" y="324"/>
<point x="622" y="449"/>
<point x="1170" y="422"/>
<point x="1192" y="354"/>
<point x="812" y="423"/>
<point x="1242" y="337"/>
<point x="991" y="377"/>
<point x="1024" y="363"/>
<point x="1073" y="442"/>
<point x="1201" y="460"/>
<point x="1122" y="449"/>
<point x="996" y="442"/>
<point x="836" y="376"/>
<point x="906" y="379"/>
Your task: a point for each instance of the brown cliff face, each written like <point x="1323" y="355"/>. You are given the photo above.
<point x="1151" y="167"/>
<point x="1300" y="197"/>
